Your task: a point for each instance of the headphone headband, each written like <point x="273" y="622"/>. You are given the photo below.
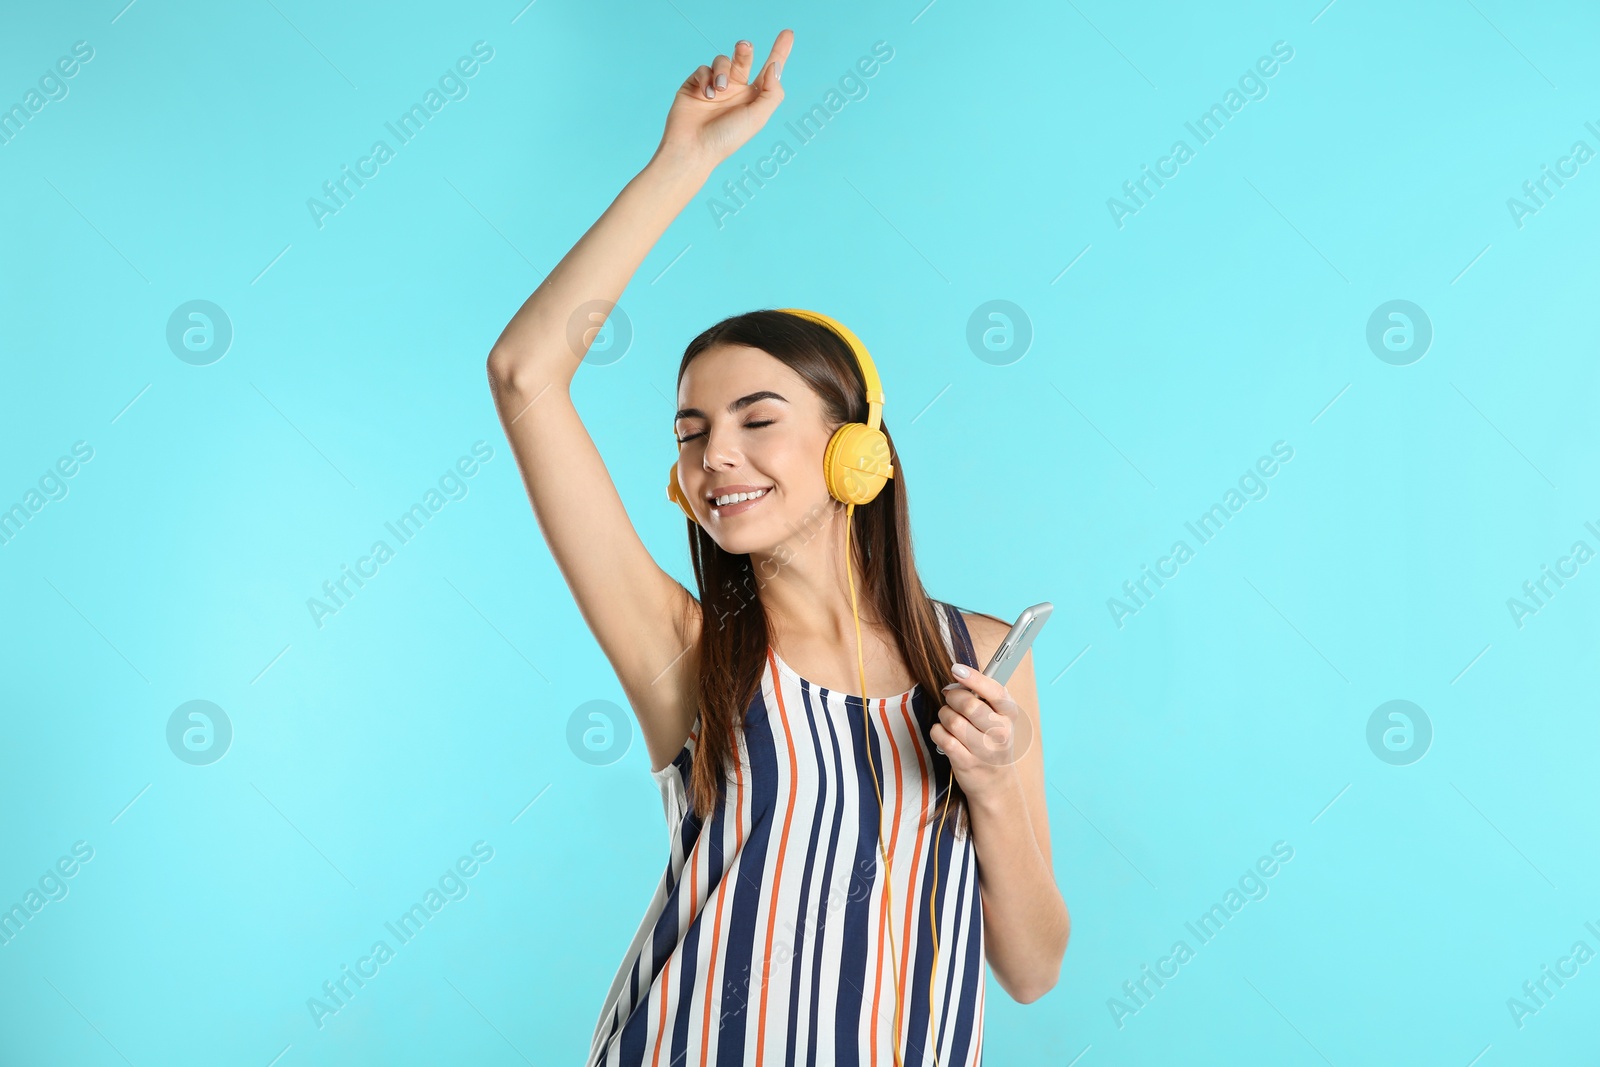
<point x="869" y="372"/>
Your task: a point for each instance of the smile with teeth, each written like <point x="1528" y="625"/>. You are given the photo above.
<point x="735" y="499"/>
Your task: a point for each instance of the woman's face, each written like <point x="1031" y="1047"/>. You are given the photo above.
<point x="746" y="422"/>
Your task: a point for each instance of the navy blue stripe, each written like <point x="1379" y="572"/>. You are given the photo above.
<point x="860" y="921"/>
<point x="691" y="940"/>
<point x="922" y="960"/>
<point x="739" y="986"/>
<point x="628" y="1010"/>
<point x="799" y="931"/>
<point x="827" y="874"/>
<point x="966" y="1019"/>
<point x="949" y="951"/>
<point x="963" y="638"/>
<point x="966" y="1015"/>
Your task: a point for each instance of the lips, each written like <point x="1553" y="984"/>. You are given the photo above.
<point x="730" y="490"/>
<point x="730" y="510"/>
<point x="727" y="490"/>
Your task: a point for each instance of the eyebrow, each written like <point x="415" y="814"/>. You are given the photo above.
<point x="742" y="402"/>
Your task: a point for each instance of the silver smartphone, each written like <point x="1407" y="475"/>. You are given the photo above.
<point x="1017" y="642"/>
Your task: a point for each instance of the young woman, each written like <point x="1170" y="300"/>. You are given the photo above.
<point x="817" y="907"/>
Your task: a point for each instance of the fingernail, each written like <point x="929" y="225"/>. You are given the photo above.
<point x="722" y="81"/>
<point x="777" y="72"/>
<point x="710" y="92"/>
<point x="961" y="670"/>
<point x="952" y="685"/>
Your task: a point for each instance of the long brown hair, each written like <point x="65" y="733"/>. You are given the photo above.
<point x="734" y="630"/>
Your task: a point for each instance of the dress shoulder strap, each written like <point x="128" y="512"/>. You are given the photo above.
<point x="957" y="639"/>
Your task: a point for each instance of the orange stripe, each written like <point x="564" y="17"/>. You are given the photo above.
<point x="877" y="986"/>
<point x="777" y="872"/>
<point x="661" y="1027"/>
<point x="883" y="913"/>
<point x="716" y="930"/>
<point x="916" y="855"/>
<point x="894" y="833"/>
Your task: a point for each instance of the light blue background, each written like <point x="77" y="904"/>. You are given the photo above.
<point x="1228" y="314"/>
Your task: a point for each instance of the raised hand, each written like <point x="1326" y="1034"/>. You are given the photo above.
<point x="720" y="107"/>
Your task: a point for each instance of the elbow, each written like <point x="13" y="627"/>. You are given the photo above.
<point x="1031" y="994"/>
<point x="1041" y="984"/>
<point x="512" y="379"/>
<point x="1048" y="972"/>
<point x="503" y="369"/>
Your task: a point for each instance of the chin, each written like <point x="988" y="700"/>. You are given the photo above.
<point x="745" y="541"/>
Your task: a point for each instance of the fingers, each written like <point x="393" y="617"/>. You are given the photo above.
<point x="995" y="745"/>
<point x="986" y="746"/>
<point x="780" y="53"/>
<point x="772" y="72"/>
<point x="1003" y="731"/>
<point x="743" y="53"/>
<point x="983" y="685"/>
<point x="699" y="82"/>
<point x="979" y="712"/>
<point x="720" y="68"/>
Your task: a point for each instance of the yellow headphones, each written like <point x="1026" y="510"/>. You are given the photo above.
<point x="855" y="467"/>
<point x="856" y="464"/>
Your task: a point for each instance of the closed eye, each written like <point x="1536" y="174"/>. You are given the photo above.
<point x="748" y="426"/>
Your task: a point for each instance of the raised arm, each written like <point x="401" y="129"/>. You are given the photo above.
<point x="643" y="620"/>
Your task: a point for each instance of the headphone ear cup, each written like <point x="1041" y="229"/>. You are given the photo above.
<point x="676" y="494"/>
<point x="856" y="464"/>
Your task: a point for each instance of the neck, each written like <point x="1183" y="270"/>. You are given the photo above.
<point x="805" y="590"/>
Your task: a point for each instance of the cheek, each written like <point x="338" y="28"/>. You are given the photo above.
<point x="796" y="457"/>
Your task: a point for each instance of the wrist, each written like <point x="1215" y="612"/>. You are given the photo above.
<point x="1001" y="795"/>
<point x="680" y="166"/>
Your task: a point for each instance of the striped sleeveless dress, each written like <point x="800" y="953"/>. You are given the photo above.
<point x="765" y="942"/>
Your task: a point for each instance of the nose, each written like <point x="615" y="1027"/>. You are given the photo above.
<point x="721" y="453"/>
